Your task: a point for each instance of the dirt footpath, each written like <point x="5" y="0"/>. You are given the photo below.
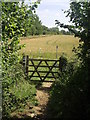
<point x="42" y="97"/>
<point x="36" y="112"/>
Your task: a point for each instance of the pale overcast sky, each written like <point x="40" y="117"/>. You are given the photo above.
<point x="51" y="10"/>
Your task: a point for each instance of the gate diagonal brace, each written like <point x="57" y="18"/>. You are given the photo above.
<point x="50" y="69"/>
<point x="36" y="70"/>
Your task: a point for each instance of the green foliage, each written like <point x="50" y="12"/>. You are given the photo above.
<point x="63" y="32"/>
<point x="12" y="17"/>
<point x="54" y="31"/>
<point x="35" y="27"/>
<point x="23" y="90"/>
<point x="15" y="94"/>
<point x="79" y="14"/>
<point x="70" y="94"/>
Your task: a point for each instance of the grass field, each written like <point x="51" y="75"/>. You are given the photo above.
<point x="45" y="46"/>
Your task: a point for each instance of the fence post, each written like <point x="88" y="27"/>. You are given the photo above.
<point x="27" y="63"/>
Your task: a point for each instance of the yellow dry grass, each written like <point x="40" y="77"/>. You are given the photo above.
<point x="45" y="46"/>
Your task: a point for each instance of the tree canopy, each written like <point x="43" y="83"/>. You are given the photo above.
<point x="79" y="14"/>
<point x="72" y="89"/>
<point x="14" y="25"/>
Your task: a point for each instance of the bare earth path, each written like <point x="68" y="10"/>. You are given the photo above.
<point x="42" y="97"/>
<point x="37" y="112"/>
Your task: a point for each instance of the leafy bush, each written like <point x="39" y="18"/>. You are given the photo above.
<point x="17" y="96"/>
<point x="68" y="97"/>
<point x="73" y="90"/>
<point x="16" y="90"/>
<point x="14" y="25"/>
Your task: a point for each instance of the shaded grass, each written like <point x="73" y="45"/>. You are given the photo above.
<point x="24" y="98"/>
<point x="22" y="92"/>
<point x="68" y="97"/>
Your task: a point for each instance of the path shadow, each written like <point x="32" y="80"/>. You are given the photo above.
<point x="43" y="116"/>
<point x="38" y="117"/>
<point x="16" y="118"/>
<point x="46" y="89"/>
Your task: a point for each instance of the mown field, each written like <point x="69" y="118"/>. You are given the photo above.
<point x="45" y="46"/>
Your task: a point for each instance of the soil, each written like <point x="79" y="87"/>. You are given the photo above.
<point x="42" y="97"/>
<point x="37" y="112"/>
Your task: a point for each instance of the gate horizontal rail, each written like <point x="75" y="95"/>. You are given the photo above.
<point x="41" y="71"/>
<point x="44" y="66"/>
<point x="43" y="59"/>
<point x="34" y="68"/>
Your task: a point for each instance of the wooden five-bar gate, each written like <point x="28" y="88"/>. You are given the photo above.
<point x="41" y="68"/>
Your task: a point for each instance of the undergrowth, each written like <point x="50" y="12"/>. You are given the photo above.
<point x="68" y="97"/>
<point x="18" y="93"/>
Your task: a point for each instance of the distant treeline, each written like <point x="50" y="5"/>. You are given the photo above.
<point x="34" y="27"/>
<point x="54" y="30"/>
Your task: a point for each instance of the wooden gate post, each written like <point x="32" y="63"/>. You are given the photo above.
<point x="60" y="64"/>
<point x="24" y="63"/>
<point x="27" y="63"/>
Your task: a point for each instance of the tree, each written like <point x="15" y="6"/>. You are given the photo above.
<point x="45" y="29"/>
<point x="38" y="25"/>
<point x="14" y="16"/>
<point x="79" y="14"/>
<point x="54" y="30"/>
<point x="72" y="90"/>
